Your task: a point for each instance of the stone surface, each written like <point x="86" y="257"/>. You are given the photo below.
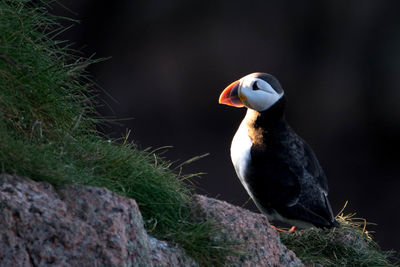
<point x="261" y="243"/>
<point x="89" y="226"/>
<point x="84" y="226"/>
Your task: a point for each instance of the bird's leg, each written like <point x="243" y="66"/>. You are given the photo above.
<point x="292" y="229"/>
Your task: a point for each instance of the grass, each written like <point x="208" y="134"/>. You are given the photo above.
<point x="349" y="245"/>
<point x="48" y="132"/>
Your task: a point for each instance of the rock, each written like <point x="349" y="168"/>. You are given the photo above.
<point x="261" y="242"/>
<point x="79" y="225"/>
<point x="90" y="226"/>
<point x="166" y="254"/>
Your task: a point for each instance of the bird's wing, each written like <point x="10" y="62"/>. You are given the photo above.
<point x="317" y="214"/>
<point x="312" y="166"/>
<point x="277" y="179"/>
<point x="313" y="202"/>
<point x="271" y="180"/>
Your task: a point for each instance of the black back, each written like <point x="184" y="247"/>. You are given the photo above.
<point x="284" y="174"/>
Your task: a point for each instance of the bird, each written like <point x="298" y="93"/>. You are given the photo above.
<point x="278" y="169"/>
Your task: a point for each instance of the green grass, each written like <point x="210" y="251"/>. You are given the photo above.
<point x="48" y="132"/>
<point x="349" y="245"/>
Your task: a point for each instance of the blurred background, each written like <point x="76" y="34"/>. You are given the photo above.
<point x="338" y="62"/>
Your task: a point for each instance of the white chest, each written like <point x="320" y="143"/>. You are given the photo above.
<point x="240" y="152"/>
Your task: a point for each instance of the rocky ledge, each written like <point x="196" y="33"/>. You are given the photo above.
<point x="91" y="226"/>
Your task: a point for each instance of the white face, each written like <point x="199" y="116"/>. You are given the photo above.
<point x="257" y="94"/>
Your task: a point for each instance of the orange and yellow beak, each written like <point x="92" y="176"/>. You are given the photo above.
<point x="230" y="95"/>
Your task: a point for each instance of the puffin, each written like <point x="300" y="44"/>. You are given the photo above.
<point x="278" y="169"/>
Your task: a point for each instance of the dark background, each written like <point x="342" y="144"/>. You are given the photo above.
<point x="338" y="62"/>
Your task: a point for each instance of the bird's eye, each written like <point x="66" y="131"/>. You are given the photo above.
<point x="255" y="86"/>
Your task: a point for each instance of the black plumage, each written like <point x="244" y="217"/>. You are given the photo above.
<point x="283" y="174"/>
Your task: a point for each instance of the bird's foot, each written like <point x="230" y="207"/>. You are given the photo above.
<point x="292" y="229"/>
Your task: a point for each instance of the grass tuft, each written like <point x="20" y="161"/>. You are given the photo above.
<point x="348" y="245"/>
<point x="48" y="132"/>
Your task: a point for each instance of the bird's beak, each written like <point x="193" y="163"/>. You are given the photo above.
<point x="230" y="95"/>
